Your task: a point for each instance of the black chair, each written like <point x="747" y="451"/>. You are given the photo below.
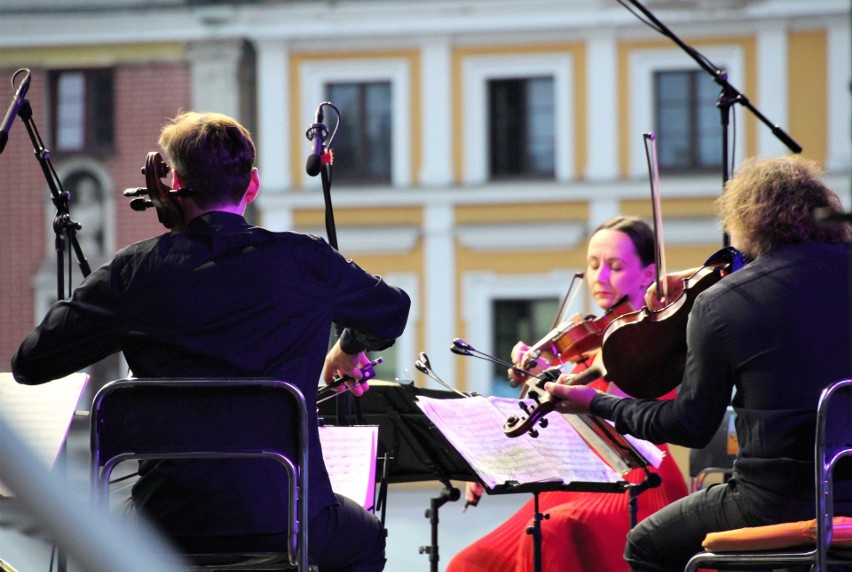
<point x="717" y="458"/>
<point x="139" y="419"/>
<point x="833" y="421"/>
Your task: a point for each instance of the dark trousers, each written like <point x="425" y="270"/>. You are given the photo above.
<point x="666" y="540"/>
<point x="346" y="538"/>
<point x="341" y="538"/>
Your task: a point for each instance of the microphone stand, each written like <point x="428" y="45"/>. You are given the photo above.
<point x="63" y="226"/>
<point x="728" y="96"/>
<point x="346" y="405"/>
<point x="65" y="229"/>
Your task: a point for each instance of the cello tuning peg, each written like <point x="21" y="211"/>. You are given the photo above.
<point x="533" y="433"/>
<point x="139" y="204"/>
<point x="543" y="423"/>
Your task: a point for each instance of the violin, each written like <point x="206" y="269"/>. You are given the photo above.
<point x="158" y="194"/>
<point x="644" y="352"/>
<point x="572" y="340"/>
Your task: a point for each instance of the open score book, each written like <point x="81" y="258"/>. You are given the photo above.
<point x="563" y="452"/>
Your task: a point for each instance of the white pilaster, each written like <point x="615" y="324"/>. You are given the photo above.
<point x="215" y="72"/>
<point x="436" y="114"/>
<point x="772" y="75"/>
<point x="839" y="107"/>
<point x="602" y="104"/>
<point x="439" y="278"/>
<point x="274" y="135"/>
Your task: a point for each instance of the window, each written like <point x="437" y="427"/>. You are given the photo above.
<point x="689" y="131"/>
<point x="521" y="128"/>
<point x="362" y="145"/>
<point x="527" y="320"/>
<point x="83" y="109"/>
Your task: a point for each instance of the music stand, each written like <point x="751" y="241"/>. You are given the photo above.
<point x="421" y="452"/>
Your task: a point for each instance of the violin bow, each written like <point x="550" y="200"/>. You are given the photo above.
<point x="650" y="141"/>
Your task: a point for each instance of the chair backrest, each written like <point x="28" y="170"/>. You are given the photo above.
<point x="717" y="457"/>
<point x="138" y="419"/>
<point x="833" y="442"/>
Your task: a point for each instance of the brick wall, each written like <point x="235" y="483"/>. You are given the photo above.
<point x="146" y="94"/>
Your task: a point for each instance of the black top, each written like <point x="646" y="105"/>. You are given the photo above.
<point x="219" y="299"/>
<point x="774" y="334"/>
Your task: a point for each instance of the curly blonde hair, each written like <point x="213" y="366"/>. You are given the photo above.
<point x="771" y="202"/>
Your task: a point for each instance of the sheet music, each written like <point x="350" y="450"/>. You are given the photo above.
<point x="614" y="454"/>
<point x="349" y="453"/>
<point x="41" y="414"/>
<point x="475" y="427"/>
<point x="564" y="447"/>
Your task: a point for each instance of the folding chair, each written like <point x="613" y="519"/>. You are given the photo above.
<point x="140" y="419"/>
<point x="833" y="421"/>
<point x="717" y="458"/>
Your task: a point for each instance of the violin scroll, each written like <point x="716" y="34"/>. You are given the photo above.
<point x="533" y="413"/>
<point x="542" y="401"/>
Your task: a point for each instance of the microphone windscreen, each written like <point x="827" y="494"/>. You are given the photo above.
<point x="313" y="165"/>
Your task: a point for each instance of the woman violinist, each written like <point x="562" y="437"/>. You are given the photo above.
<point x="585" y="531"/>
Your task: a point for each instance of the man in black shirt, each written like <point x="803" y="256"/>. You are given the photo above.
<point x="217" y="297"/>
<point x="774" y="334"/>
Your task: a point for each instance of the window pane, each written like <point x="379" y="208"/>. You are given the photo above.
<point x="71" y="111"/>
<point x="378" y="129"/>
<point x="505" y="130"/>
<point x="521" y="127"/>
<point x="362" y="146"/>
<point x="100" y="104"/>
<point x="687" y="121"/>
<point x="540" y="136"/>
<point x="514" y="320"/>
<point x="345" y="98"/>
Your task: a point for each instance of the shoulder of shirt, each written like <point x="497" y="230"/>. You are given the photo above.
<point x="779" y="259"/>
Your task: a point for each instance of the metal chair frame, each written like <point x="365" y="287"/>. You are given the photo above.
<point x="199" y="446"/>
<point x="825" y="461"/>
<point x="714" y="459"/>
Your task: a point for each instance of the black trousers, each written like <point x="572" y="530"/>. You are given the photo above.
<point x="341" y="538"/>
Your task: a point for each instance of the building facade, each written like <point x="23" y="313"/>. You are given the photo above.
<point x="480" y="142"/>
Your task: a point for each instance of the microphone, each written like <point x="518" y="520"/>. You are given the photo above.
<point x="423" y="366"/>
<point x="14" y="107"/>
<point x="316" y="132"/>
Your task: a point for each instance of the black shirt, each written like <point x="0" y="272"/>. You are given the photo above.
<point x="773" y="334"/>
<point x="220" y="299"/>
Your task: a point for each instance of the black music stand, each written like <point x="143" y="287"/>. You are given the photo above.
<point x="410" y="447"/>
<point x="420" y="452"/>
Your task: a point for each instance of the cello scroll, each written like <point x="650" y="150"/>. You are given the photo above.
<point x="158" y="194"/>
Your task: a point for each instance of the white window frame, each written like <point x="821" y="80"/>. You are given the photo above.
<point x="643" y="64"/>
<point x="314" y="75"/>
<point x="481" y="289"/>
<point x="477" y="71"/>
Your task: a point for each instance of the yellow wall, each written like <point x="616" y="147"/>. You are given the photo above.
<point x="807" y="88"/>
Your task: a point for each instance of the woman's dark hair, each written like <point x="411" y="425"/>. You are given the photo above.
<point x="640" y="234"/>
